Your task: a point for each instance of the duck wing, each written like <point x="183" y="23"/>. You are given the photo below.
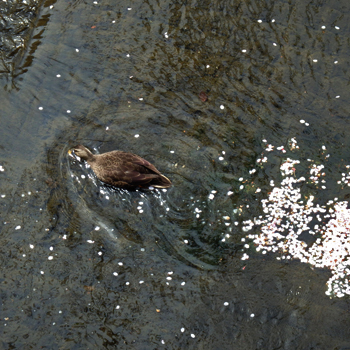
<point x="159" y="180"/>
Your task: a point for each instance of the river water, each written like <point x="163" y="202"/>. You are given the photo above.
<point x="244" y="106"/>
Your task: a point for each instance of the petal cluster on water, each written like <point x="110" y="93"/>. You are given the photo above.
<point x="288" y="213"/>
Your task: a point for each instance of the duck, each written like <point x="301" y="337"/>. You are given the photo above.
<point x="123" y="169"/>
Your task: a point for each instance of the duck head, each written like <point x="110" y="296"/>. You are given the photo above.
<point x="82" y="152"/>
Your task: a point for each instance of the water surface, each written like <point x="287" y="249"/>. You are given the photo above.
<point x="215" y="262"/>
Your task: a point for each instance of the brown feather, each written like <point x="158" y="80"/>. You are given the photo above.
<point x="123" y="169"/>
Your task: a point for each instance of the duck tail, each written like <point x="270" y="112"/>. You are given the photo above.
<point x="161" y="182"/>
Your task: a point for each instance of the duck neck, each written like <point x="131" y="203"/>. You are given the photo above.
<point x="89" y="156"/>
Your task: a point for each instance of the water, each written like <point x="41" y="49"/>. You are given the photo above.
<point x="215" y="262"/>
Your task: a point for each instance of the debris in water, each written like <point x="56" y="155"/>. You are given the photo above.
<point x="203" y="96"/>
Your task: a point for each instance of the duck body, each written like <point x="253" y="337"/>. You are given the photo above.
<point x="123" y="169"/>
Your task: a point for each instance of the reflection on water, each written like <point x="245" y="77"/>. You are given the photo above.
<point x="18" y="19"/>
<point x="196" y="88"/>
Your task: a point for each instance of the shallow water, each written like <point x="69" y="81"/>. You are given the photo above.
<point x="215" y="262"/>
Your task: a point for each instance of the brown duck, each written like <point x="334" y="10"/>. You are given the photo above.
<point x="123" y="169"/>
